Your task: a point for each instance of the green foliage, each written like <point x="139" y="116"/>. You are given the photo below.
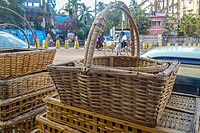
<point x="113" y="19"/>
<point x="100" y="6"/>
<point x="190" y="25"/>
<point x="48" y="30"/>
<point x="8" y="17"/>
<point x="171" y="25"/>
<point x="73" y="4"/>
<point x="133" y="3"/>
<point x="141" y="19"/>
<point x="80" y="34"/>
<point x="84" y="14"/>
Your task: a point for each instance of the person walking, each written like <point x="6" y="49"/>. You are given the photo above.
<point x="118" y="44"/>
<point x="49" y="40"/>
<point x="123" y="39"/>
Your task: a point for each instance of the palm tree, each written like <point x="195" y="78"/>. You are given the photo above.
<point x="100" y="6"/>
<point x="73" y="4"/>
<point x="84" y="13"/>
<point x="133" y="3"/>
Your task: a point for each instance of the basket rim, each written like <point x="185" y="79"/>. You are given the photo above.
<point x="173" y="65"/>
<point x="24" y="50"/>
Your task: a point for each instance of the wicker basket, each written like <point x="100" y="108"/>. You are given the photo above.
<point x="45" y="125"/>
<point x="17" y="62"/>
<point x="26" y="84"/>
<point x="10" y="108"/>
<point x="133" y="89"/>
<point x="175" y="118"/>
<point x="25" y="123"/>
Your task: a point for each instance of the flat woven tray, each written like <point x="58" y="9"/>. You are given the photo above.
<point x="18" y="62"/>
<point x="173" y="120"/>
<point x="45" y="125"/>
<point x="25" y="123"/>
<point x="13" y="107"/>
<point x="181" y="114"/>
<point x="14" y="87"/>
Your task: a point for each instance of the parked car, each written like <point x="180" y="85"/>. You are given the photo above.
<point x="8" y="40"/>
<point x="188" y="76"/>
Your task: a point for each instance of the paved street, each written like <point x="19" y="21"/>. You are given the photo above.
<point x="66" y="55"/>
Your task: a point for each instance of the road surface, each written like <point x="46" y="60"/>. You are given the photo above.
<point x="71" y="54"/>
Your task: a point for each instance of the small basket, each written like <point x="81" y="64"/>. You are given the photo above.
<point x="13" y="107"/>
<point x="46" y="125"/>
<point x="18" y="62"/>
<point x="14" y="87"/>
<point x="129" y="88"/>
<point x="25" y="123"/>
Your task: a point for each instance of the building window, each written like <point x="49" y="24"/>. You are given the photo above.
<point x="159" y="23"/>
<point x="29" y="4"/>
<point x="36" y="4"/>
<point x="153" y="23"/>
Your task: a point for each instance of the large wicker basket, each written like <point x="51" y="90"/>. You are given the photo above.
<point x="17" y="62"/>
<point x="134" y="89"/>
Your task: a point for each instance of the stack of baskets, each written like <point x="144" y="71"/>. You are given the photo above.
<point x="24" y="81"/>
<point x="181" y="115"/>
<point x="128" y="88"/>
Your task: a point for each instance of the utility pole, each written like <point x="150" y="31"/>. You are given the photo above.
<point x="199" y="7"/>
<point x="95" y="9"/>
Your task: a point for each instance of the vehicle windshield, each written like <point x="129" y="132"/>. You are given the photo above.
<point x="10" y="41"/>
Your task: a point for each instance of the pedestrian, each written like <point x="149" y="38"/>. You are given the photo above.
<point x="123" y="39"/>
<point x="118" y="44"/>
<point x="35" y="35"/>
<point x="76" y="38"/>
<point x="49" y="40"/>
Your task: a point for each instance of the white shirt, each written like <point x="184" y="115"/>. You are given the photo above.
<point x="124" y="38"/>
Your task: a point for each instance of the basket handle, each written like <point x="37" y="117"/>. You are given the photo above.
<point x="97" y="28"/>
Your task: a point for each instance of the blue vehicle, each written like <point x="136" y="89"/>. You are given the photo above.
<point x="188" y="76"/>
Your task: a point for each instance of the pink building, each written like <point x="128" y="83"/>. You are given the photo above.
<point x="157" y="25"/>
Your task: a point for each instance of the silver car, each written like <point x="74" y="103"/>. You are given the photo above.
<point x="8" y="40"/>
<point x="188" y="76"/>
